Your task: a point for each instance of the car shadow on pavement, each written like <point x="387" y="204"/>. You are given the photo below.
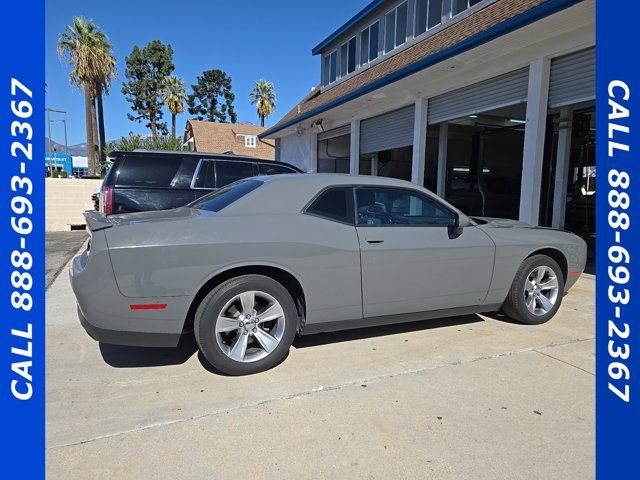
<point x="118" y="356"/>
<point x="131" y="357"/>
<point x="306" y="341"/>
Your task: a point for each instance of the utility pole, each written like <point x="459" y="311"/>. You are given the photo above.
<point x="64" y="122"/>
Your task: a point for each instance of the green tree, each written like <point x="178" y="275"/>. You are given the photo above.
<point x="87" y="50"/>
<point x="135" y="142"/>
<point x="174" y="95"/>
<point x="212" y="98"/>
<point x="263" y="97"/>
<point x="145" y="73"/>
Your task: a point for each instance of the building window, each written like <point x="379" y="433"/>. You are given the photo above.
<point x="250" y="141"/>
<point x="460" y="6"/>
<point x="331" y="67"/>
<point x="428" y="15"/>
<point x="395" y="27"/>
<point x="369" y="39"/>
<point x="348" y="57"/>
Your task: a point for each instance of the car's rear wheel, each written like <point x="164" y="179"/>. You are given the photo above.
<point x="246" y="325"/>
<point x="536" y="292"/>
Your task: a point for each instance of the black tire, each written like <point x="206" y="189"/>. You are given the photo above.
<point x="210" y="308"/>
<point x="515" y="306"/>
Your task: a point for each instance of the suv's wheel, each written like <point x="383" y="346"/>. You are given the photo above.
<point x="536" y="292"/>
<point x="246" y="325"/>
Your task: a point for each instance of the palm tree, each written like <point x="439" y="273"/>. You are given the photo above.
<point x="264" y="98"/>
<point x="174" y="95"/>
<point x="87" y="50"/>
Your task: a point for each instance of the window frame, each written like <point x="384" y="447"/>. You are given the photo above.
<point x="197" y="172"/>
<point x="394" y="10"/>
<point x="455" y="214"/>
<point x="427" y="13"/>
<point x="368" y="59"/>
<point x="351" y="207"/>
<point x="250" y="141"/>
<point x="328" y="67"/>
<point x="446" y="19"/>
<point x="344" y="59"/>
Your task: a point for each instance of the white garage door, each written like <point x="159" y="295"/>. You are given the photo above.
<point x="508" y="89"/>
<point x="387" y="131"/>
<point x="573" y="78"/>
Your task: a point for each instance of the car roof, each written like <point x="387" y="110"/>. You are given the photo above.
<point x="221" y="156"/>
<point x="290" y="193"/>
<point x="322" y="180"/>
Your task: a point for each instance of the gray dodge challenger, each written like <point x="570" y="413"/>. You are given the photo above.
<point x="251" y="265"/>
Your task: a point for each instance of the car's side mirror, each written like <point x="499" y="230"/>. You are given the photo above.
<point x="459" y="223"/>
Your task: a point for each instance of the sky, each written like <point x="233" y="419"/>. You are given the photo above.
<point x="249" y="40"/>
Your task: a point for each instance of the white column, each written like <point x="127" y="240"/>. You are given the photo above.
<point x="443" y="140"/>
<point x="419" y="142"/>
<point x="374" y="165"/>
<point x="533" y="154"/>
<point x="354" y="168"/>
<point x="313" y="146"/>
<point x="562" y="167"/>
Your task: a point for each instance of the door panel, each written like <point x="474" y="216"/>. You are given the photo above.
<point x="415" y="269"/>
<point x="411" y="261"/>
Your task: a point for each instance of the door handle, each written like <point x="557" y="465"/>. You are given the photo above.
<point x="374" y="241"/>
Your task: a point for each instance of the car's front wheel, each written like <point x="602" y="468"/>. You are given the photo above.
<point x="246" y="325"/>
<point x="536" y="292"/>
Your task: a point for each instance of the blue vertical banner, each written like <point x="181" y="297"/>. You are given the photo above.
<point x="22" y="318"/>
<point x="618" y="240"/>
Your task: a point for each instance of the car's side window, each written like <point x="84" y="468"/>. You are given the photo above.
<point x="205" y="175"/>
<point x="275" y="169"/>
<point x="334" y="204"/>
<point x="397" y="206"/>
<point x="230" y="171"/>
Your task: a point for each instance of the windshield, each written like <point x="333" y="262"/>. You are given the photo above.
<point x="216" y="201"/>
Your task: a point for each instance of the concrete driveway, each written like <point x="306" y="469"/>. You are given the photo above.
<point x="465" y="398"/>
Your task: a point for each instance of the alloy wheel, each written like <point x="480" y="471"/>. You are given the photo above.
<point x="250" y="326"/>
<point x="541" y="290"/>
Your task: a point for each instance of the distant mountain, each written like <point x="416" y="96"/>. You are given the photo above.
<point x="79" y="150"/>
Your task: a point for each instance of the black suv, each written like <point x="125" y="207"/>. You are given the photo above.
<point x="155" y="180"/>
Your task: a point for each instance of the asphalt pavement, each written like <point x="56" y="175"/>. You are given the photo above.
<point x="60" y="248"/>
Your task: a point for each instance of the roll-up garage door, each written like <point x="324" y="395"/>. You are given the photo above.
<point x="573" y="78"/>
<point x="508" y="89"/>
<point x="387" y="131"/>
<point x="336" y="132"/>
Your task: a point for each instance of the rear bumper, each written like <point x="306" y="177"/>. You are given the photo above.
<point x="107" y="315"/>
<point x="134" y="339"/>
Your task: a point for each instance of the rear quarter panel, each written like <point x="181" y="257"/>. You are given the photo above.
<point x="176" y="258"/>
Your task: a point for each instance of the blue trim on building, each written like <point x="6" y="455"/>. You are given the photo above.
<point x="533" y="15"/>
<point x="350" y="23"/>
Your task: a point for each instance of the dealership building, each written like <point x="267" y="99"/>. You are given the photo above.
<point x="489" y="103"/>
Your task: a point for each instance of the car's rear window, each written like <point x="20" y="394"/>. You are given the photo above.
<point x="216" y="201"/>
<point x="153" y="171"/>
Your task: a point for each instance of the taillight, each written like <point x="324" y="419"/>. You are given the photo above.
<point x="107" y="200"/>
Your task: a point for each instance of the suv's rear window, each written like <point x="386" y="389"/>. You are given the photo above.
<point x="216" y="201"/>
<point x="152" y="171"/>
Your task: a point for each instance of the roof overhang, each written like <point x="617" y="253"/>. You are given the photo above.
<point x="519" y="21"/>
